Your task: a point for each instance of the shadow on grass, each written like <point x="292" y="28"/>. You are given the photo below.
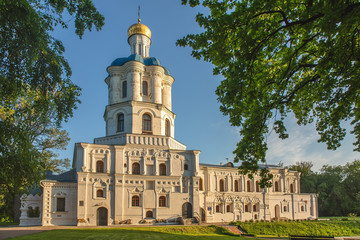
<point x="123" y="234"/>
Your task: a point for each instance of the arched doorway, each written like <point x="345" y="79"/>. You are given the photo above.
<point x="277" y="212"/>
<point x="101" y="216"/>
<point x="203" y="216"/>
<point x="187" y="210"/>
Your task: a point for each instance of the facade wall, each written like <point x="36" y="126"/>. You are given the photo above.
<point x="223" y="201"/>
<point x="52" y="191"/>
<point x="120" y="185"/>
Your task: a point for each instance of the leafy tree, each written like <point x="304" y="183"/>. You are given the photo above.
<point x="279" y="57"/>
<point x="308" y="178"/>
<point x="351" y="184"/>
<point x="36" y="91"/>
<point x="338" y="187"/>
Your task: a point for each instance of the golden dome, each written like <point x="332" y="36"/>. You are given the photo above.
<point x="139" y="28"/>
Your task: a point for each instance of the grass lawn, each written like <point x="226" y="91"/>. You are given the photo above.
<point x="341" y="218"/>
<point x="4" y="224"/>
<point x="153" y="233"/>
<point x="308" y="228"/>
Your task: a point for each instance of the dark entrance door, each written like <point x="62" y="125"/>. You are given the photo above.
<point x="203" y="217"/>
<point x="102" y="216"/>
<point x="187" y="210"/>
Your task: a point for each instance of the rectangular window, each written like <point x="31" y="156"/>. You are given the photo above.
<point x="60" y="204"/>
<point x="81" y="203"/>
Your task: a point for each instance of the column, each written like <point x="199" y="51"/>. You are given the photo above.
<point x="157" y="79"/>
<point x="167" y="95"/>
<point x="134" y="80"/>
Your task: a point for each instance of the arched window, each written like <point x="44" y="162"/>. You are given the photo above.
<point x="255" y="216"/>
<point x="217" y="208"/>
<point x="167" y="128"/>
<point x="124" y="89"/>
<point x="162" y="201"/>
<point x="248" y="186"/>
<point x="135" y="201"/>
<point x="100" y="166"/>
<point x="276" y="186"/>
<point x="236" y="183"/>
<point x="228" y="208"/>
<point x="146" y="123"/>
<point x="254" y="208"/>
<point x="139" y="49"/>
<point x="302" y="208"/>
<point x="257" y="186"/>
<point x="222" y="185"/>
<point x="285" y="209"/>
<point x="201" y="188"/>
<point x="120" y="122"/>
<point x="186" y="167"/>
<point x="136" y="168"/>
<point x="292" y="188"/>
<point x="162" y="169"/>
<point x="99" y="193"/>
<point x="149" y="214"/>
<point x="145" y="88"/>
<point x="246" y="208"/>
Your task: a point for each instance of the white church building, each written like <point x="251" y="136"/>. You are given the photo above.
<point x="140" y="173"/>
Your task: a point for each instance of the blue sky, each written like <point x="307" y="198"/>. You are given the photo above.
<point x="199" y="124"/>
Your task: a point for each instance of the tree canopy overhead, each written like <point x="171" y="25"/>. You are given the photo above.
<point x="36" y="90"/>
<point x="279" y="57"/>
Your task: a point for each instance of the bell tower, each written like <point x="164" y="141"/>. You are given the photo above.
<point x="139" y="92"/>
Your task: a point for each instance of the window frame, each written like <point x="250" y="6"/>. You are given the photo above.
<point x="257" y="186"/>
<point x="228" y="208"/>
<point x="60" y="207"/>
<point x="146" y="123"/>
<point x="135" y="201"/>
<point x="162" y="169"/>
<point x="248" y="186"/>
<point x="236" y="186"/>
<point x="100" y="166"/>
<point x="124" y="89"/>
<point x="120" y="127"/>
<point x="201" y="185"/>
<point x="137" y="168"/>
<point x="162" y="201"/>
<point x="221" y="185"/>
<point x="145" y="88"/>
<point x="167" y="128"/>
<point x="218" y="208"/>
<point x="147" y="215"/>
<point x="246" y="208"/>
<point x="102" y="193"/>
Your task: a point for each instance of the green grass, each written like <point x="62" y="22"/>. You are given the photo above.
<point x="341" y="218"/>
<point x="306" y="228"/>
<point x="4" y="224"/>
<point x="153" y="233"/>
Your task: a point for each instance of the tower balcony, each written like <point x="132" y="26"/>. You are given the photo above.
<point x="141" y="139"/>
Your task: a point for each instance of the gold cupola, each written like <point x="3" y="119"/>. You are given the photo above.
<point x="139" y="28"/>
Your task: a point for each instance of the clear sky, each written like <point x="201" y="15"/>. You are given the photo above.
<point x="199" y="124"/>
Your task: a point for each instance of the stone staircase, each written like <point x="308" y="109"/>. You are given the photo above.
<point x="189" y="221"/>
<point x="233" y="229"/>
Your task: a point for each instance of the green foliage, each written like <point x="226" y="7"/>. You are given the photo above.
<point x="279" y="57"/>
<point x="338" y="187"/>
<point x="305" y="228"/>
<point x="36" y="92"/>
